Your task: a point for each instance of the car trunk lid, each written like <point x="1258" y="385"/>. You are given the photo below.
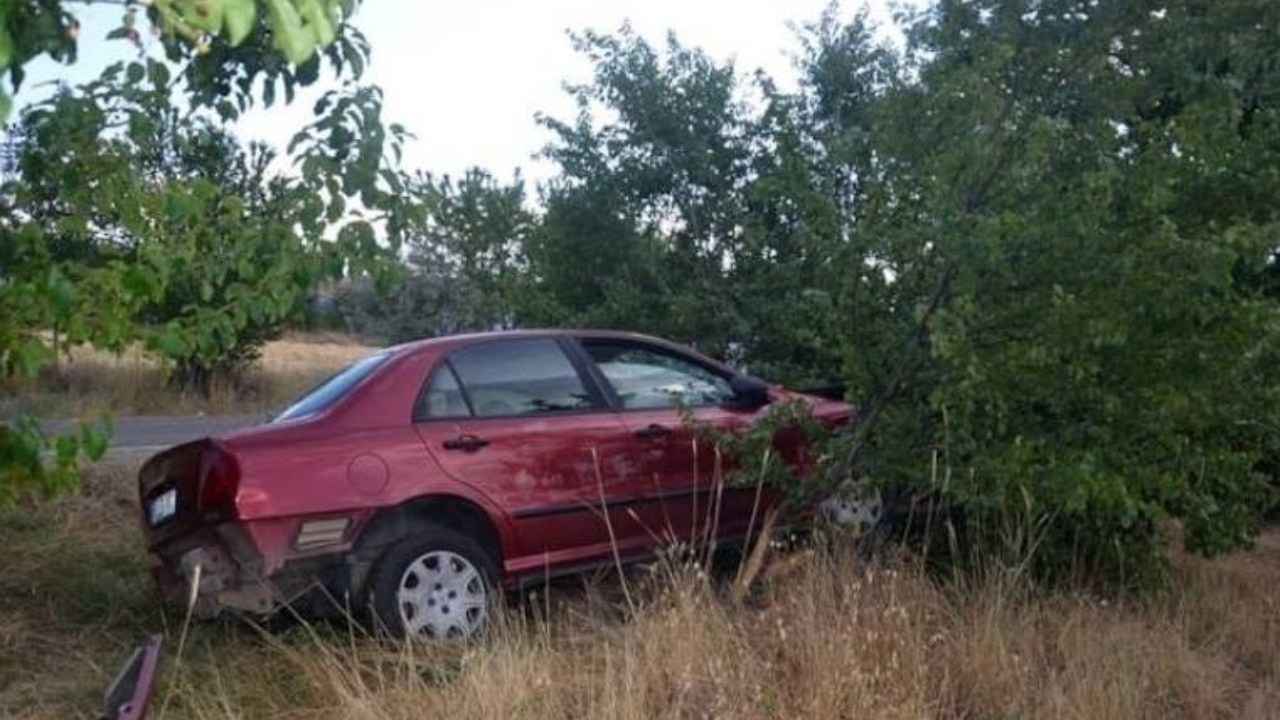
<point x="187" y="487"/>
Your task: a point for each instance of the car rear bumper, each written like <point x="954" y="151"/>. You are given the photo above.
<point x="209" y="576"/>
<point x="221" y="568"/>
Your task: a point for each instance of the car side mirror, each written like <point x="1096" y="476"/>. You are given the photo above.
<point x="748" y="391"/>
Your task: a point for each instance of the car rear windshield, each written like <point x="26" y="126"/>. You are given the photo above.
<point x="332" y="390"/>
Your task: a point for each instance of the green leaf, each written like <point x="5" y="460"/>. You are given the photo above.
<point x="171" y="342"/>
<point x="6" y="46"/>
<point x="66" y="447"/>
<point x="239" y="16"/>
<point x="29" y="355"/>
<point x="287" y="32"/>
<point x="159" y="73"/>
<point x="94" y="440"/>
<point x="309" y="71"/>
<point x="317" y="20"/>
<point x="203" y="14"/>
<point x="227" y="110"/>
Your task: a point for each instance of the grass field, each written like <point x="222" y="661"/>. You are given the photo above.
<point x="824" y="637"/>
<point x="133" y="383"/>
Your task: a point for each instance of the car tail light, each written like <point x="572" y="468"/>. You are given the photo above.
<point x="219" y="484"/>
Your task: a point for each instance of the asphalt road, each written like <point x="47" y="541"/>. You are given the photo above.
<point x="139" y="436"/>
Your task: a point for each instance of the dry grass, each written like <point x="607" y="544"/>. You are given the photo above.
<point x="133" y="383"/>
<point x="825" y="637"/>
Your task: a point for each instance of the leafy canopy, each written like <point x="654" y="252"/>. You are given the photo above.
<point x="225" y="41"/>
<point x="134" y="218"/>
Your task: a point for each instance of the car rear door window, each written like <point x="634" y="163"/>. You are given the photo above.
<point x="516" y="377"/>
<point x="646" y="377"/>
<point x="443" y="396"/>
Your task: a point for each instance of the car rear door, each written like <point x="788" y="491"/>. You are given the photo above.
<point x="654" y="387"/>
<point x="519" y="421"/>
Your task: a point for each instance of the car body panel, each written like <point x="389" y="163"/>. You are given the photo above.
<point x="547" y="472"/>
<point x="685" y="470"/>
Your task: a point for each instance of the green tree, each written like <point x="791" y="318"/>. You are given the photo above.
<point x="591" y="264"/>
<point x="1059" y="317"/>
<point x="475" y="230"/>
<point x="465" y="268"/>
<point x="680" y="205"/>
<point x="114" y="238"/>
<point x="649" y="201"/>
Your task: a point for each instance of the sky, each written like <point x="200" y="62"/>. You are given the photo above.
<point x="467" y="78"/>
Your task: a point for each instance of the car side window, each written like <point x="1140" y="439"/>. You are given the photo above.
<point x="443" y="396"/>
<point x="645" y="377"/>
<point x="332" y="390"/>
<point x="518" y="377"/>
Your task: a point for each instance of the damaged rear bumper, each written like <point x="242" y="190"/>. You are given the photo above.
<point x="209" y="576"/>
<point x="208" y="580"/>
<point x="220" y="570"/>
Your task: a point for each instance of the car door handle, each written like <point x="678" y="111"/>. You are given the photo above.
<point x="465" y="442"/>
<point x="653" y="432"/>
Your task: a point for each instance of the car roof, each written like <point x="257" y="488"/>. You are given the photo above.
<point x="448" y="342"/>
<point x="468" y="338"/>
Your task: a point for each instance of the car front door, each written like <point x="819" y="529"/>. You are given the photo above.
<point x="654" y="388"/>
<point x="517" y="420"/>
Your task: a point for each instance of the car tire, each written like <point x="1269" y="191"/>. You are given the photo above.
<point x="436" y="584"/>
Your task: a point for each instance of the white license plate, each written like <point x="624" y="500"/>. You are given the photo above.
<point x="163" y="507"/>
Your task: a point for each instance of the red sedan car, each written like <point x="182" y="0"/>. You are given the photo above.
<point x="423" y="478"/>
